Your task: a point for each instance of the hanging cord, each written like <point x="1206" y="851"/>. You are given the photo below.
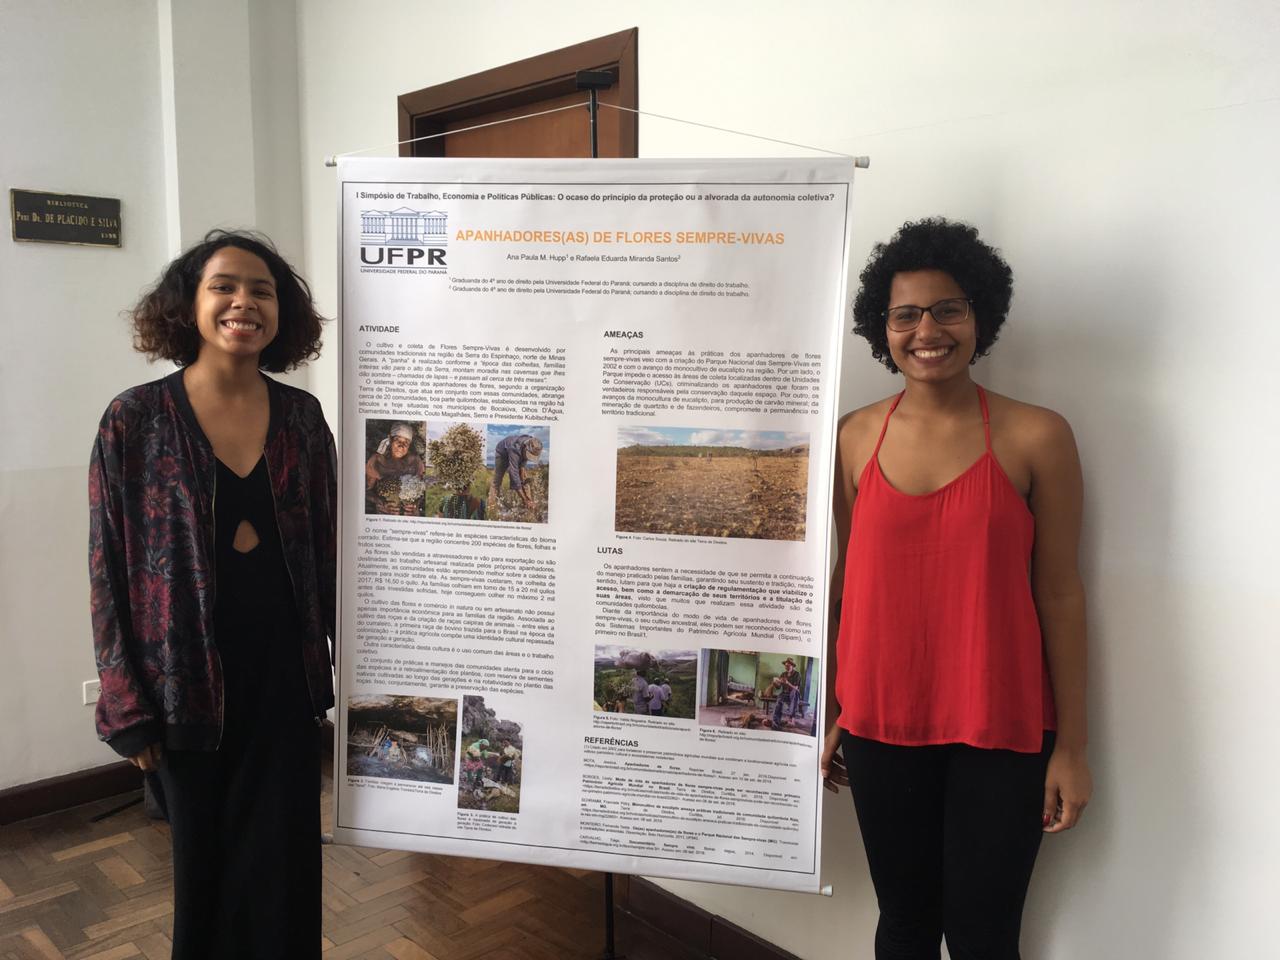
<point x="332" y="160"/>
<point x="860" y="162"/>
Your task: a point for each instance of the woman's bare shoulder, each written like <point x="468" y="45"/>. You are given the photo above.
<point x="1030" y="426"/>
<point x="856" y="437"/>
<point x="855" y="424"/>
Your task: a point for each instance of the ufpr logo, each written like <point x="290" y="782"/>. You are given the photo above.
<point x="404" y="238"/>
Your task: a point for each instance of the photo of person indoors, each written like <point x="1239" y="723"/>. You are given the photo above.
<point x="511" y="457"/>
<point x="958" y="701"/>
<point x="786" y="688"/>
<point x="218" y="474"/>
<point x="394" y="458"/>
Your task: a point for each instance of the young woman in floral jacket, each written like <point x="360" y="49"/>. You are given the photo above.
<point x="212" y="498"/>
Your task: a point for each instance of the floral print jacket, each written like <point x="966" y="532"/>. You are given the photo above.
<point x="151" y="560"/>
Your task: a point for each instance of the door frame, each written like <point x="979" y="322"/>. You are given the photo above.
<point x="431" y="109"/>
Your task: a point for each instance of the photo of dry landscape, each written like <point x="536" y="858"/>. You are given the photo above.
<point x="712" y="483"/>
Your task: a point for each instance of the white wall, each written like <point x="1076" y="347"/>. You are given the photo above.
<point x="229" y="82"/>
<point x="1123" y="155"/>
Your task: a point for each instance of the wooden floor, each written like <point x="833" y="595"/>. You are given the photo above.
<point x="75" y="889"/>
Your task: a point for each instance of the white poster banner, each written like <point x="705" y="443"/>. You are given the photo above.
<point x="588" y="411"/>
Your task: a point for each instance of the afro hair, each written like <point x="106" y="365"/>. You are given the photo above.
<point x="934" y="244"/>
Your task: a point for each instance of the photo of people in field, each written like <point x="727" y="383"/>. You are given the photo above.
<point x="712" y="483"/>
<point x="457" y="470"/>
<point x="750" y="690"/>
<point x="458" y="480"/>
<point x="395" y="467"/>
<point x="401" y="738"/>
<point x="487" y="471"/>
<point x="650" y="683"/>
<point x="519" y="456"/>
<point x="492" y="759"/>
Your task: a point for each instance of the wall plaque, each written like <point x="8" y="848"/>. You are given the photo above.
<point x="64" y="218"/>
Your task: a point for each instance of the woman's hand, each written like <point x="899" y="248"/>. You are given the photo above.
<point x="831" y="766"/>
<point x="1067" y="788"/>
<point x="148" y="758"/>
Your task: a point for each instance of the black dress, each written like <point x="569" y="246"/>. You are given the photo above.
<point x="245" y="818"/>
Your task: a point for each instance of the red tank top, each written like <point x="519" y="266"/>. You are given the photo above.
<point x="939" y="640"/>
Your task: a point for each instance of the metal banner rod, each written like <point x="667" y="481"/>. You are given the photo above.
<point x="593" y="81"/>
<point x="594" y="107"/>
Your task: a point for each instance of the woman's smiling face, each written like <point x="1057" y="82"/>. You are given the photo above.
<point x="235" y="307"/>
<point x="931" y="351"/>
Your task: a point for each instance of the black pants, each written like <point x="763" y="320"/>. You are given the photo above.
<point x="951" y="834"/>
<point x="245" y="819"/>
<point x="245" y="823"/>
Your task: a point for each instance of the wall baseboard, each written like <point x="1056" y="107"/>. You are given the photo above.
<point x="84" y="786"/>
<point x="69" y="790"/>
<point x="702" y="932"/>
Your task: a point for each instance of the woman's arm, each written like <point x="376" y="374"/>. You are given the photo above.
<point x="126" y="718"/>
<point x="1056" y="500"/>
<point x="844" y="491"/>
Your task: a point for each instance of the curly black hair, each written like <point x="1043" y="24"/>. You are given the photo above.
<point x="934" y="243"/>
<point x="164" y="321"/>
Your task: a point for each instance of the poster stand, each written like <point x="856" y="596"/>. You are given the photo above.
<point x="592" y="82"/>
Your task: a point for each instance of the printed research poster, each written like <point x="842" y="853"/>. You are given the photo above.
<point x="587" y="420"/>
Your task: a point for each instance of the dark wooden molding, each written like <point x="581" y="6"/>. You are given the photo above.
<point x="85" y="786"/>
<point x="704" y="933"/>
<point x="69" y="790"/>
<point x="534" y="79"/>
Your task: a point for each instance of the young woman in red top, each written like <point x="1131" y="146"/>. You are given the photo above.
<point x="957" y="704"/>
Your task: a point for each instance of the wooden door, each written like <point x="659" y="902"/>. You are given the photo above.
<point x="529" y="86"/>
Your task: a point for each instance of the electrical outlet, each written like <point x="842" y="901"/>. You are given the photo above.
<point x="91" y="690"/>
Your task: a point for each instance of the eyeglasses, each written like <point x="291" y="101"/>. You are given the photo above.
<point x="946" y="312"/>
